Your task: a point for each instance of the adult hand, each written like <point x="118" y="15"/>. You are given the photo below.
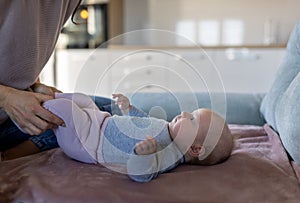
<point x="25" y="109"/>
<point x="44" y="89"/>
<point x="146" y="147"/>
<point x="122" y="102"/>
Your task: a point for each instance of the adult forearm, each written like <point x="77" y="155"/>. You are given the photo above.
<point x="4" y="91"/>
<point x="24" y="108"/>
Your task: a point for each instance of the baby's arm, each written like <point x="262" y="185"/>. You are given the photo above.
<point x="148" y="161"/>
<point x="122" y="102"/>
<point x="143" y="164"/>
<point x="126" y="108"/>
<point x="146" y="147"/>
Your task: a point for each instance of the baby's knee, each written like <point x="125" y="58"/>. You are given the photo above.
<point x="82" y="100"/>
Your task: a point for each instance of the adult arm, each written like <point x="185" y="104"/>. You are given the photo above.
<point x="25" y="109"/>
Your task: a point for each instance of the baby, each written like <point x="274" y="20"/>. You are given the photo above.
<point x="147" y="146"/>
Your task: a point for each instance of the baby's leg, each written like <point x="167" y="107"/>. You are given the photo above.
<point x="67" y="137"/>
<point x="108" y="105"/>
<point x="82" y="100"/>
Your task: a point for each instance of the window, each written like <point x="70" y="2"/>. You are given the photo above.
<point x="232" y="32"/>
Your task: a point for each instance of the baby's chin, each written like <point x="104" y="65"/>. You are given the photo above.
<point x="169" y="131"/>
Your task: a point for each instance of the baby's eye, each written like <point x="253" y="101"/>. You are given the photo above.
<point x="192" y="118"/>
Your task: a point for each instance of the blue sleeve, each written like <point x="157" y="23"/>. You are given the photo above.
<point x="136" y="112"/>
<point x="144" y="178"/>
<point x="144" y="168"/>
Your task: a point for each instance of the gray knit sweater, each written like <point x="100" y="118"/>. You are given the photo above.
<point x="29" y="30"/>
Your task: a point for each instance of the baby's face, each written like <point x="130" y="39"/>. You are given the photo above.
<point x="185" y="129"/>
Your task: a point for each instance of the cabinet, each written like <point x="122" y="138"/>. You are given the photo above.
<point x="248" y="70"/>
<point x="105" y="71"/>
<point x="137" y="70"/>
<point x="78" y="70"/>
<point x="230" y="70"/>
<point x="191" y="70"/>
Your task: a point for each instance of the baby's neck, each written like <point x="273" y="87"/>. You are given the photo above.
<point x="169" y="133"/>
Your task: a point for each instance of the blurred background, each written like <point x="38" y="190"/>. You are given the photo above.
<point x="242" y="39"/>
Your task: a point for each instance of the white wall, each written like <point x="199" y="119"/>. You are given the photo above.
<point x="254" y="14"/>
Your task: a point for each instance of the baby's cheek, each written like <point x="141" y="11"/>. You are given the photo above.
<point x="176" y="128"/>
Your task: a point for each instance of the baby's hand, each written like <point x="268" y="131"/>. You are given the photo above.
<point x="122" y="102"/>
<point x="146" y="147"/>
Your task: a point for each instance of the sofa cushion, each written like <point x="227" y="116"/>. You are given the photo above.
<point x="287" y="116"/>
<point x="285" y="75"/>
<point x="240" y="108"/>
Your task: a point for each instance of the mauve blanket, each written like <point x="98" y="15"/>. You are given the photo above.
<point x="257" y="171"/>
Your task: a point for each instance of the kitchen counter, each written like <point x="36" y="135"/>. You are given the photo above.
<point x="249" y="46"/>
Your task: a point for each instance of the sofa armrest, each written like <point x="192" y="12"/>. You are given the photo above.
<point x="241" y="108"/>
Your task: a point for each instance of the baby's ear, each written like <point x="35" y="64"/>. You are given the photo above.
<point x="196" y="150"/>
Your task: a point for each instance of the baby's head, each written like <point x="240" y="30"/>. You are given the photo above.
<point x="202" y="136"/>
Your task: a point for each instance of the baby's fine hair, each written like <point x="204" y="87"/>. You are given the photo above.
<point x="221" y="152"/>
